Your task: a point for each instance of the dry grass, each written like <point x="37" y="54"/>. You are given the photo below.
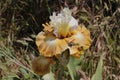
<point x="20" y="21"/>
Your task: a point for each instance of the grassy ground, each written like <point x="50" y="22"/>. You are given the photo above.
<point x="21" y="20"/>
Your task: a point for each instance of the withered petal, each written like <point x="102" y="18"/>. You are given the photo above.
<point x="41" y="65"/>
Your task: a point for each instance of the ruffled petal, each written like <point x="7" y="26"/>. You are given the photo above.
<point x="75" y="51"/>
<point x="81" y="36"/>
<point x="63" y="23"/>
<point x="49" y="45"/>
<point x="73" y="23"/>
<point x="79" y="41"/>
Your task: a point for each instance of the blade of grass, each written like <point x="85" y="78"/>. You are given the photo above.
<point x="6" y="51"/>
<point x="98" y="73"/>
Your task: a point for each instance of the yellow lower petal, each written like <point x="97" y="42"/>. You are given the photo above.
<point x="49" y="45"/>
<point x="75" y="51"/>
<point x="81" y="36"/>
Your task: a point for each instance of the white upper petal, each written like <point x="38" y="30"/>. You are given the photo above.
<point x="73" y="23"/>
<point x="64" y="17"/>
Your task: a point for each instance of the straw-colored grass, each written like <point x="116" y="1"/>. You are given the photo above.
<point x="21" y="20"/>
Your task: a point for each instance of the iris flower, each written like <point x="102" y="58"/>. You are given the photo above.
<point x="61" y="33"/>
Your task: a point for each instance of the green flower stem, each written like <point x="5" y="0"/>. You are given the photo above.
<point x="61" y="72"/>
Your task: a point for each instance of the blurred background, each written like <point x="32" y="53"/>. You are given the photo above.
<point x="21" y="21"/>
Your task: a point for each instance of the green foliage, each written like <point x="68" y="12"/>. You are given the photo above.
<point x="71" y="68"/>
<point x="98" y="73"/>
<point x="73" y="65"/>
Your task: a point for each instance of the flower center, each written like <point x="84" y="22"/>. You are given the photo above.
<point x="63" y="30"/>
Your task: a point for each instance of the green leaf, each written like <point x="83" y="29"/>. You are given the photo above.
<point x="78" y="62"/>
<point x="3" y="67"/>
<point x="98" y="73"/>
<point x="24" y="72"/>
<point x="12" y="75"/>
<point x="71" y="68"/>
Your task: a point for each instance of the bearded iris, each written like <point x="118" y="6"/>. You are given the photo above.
<point x="61" y="33"/>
